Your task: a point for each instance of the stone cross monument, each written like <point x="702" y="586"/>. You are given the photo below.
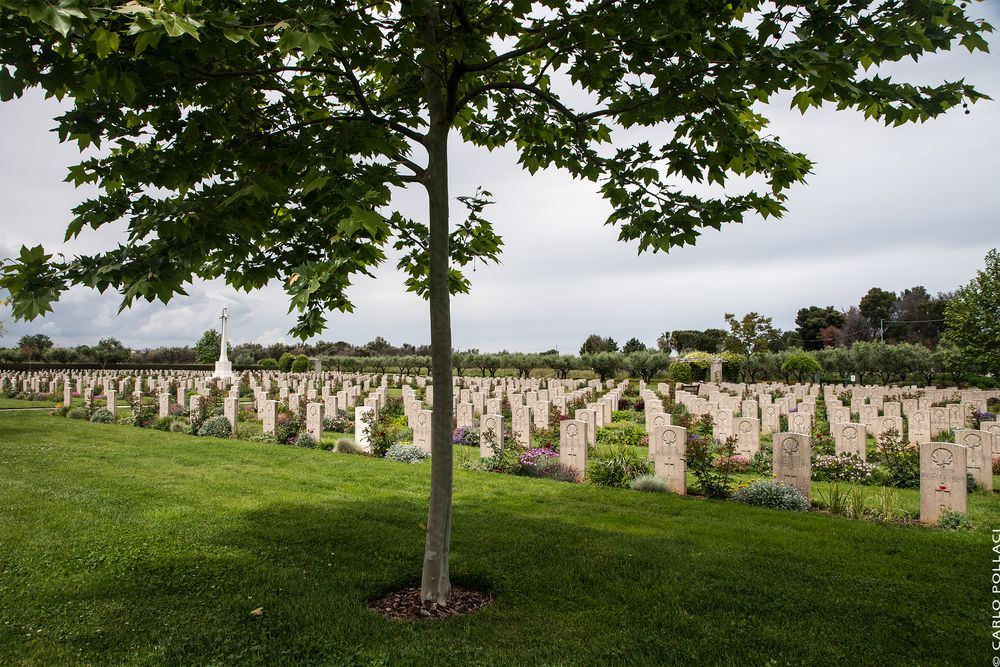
<point x="223" y="367"/>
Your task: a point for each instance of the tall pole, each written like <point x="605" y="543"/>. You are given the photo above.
<point x="881" y="329"/>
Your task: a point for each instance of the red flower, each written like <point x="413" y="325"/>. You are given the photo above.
<point x="942" y="488"/>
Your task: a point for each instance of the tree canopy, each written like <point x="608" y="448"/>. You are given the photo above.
<point x="973" y="317"/>
<point x="262" y="141"/>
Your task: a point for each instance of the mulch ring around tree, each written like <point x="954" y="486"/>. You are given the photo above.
<point x="406" y="605"/>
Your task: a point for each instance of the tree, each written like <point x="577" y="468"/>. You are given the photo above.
<point x="973" y="317"/>
<point x="207" y="349"/>
<point x="879" y="307"/>
<point x="605" y="364"/>
<point x="378" y="346"/>
<point x="285" y="362"/>
<point x="460" y="361"/>
<point x="35" y="346"/>
<point x="908" y="312"/>
<point x="801" y="364"/>
<point x="562" y="364"/>
<point x="784" y="340"/>
<point x="633" y="345"/>
<point x="749" y="335"/>
<point x="856" y="327"/>
<point x="110" y="351"/>
<point x="595" y="344"/>
<point x="300" y="364"/>
<point x="273" y="134"/>
<point x="524" y="363"/>
<point x="645" y="365"/>
<point x="707" y="340"/>
<point x="666" y="342"/>
<point x="812" y="320"/>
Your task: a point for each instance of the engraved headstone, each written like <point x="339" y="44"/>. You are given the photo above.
<point x="978" y="455"/>
<point x="792" y="464"/>
<point x="573" y="444"/>
<point x="314" y="420"/>
<point x="943" y="483"/>
<point x="850" y="438"/>
<point x="490" y="434"/>
<point x="670" y="457"/>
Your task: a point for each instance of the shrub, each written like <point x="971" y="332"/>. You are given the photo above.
<point x="102" y="416"/>
<point x="649" y="484"/>
<point x="463" y="435"/>
<point x="735" y="463"/>
<point x="285" y="362"/>
<point x="996" y="464"/>
<point x="767" y="493"/>
<point x="339" y="423"/>
<point x="304" y="439"/>
<point x="902" y="462"/>
<point x="552" y="469"/>
<point x="680" y="372"/>
<point x="300" y="364"/>
<point x="215" y="427"/>
<point x="715" y="481"/>
<point x="59" y="410"/>
<point x="163" y="423"/>
<point x="955" y="521"/>
<point x="762" y="462"/>
<point x="406" y="454"/>
<point x="619" y="469"/>
<point x="624" y="415"/>
<point x="268" y="362"/>
<point x="345" y="446"/>
<point x="620" y="434"/>
<point x="76" y="413"/>
<point x="178" y="426"/>
<point x="537" y="455"/>
<point x="842" y="468"/>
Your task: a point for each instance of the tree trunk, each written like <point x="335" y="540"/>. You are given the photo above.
<point x="435" y="584"/>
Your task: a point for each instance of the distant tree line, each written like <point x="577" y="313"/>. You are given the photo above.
<point x="950" y="337"/>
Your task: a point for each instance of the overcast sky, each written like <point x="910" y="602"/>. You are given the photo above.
<point x="887" y="207"/>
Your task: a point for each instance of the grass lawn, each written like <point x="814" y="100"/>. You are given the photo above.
<point x="120" y="545"/>
<point x="10" y="403"/>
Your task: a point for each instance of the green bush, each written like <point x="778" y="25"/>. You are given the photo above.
<point x="268" y="362"/>
<point x="215" y="427"/>
<point x="901" y="461"/>
<point x="712" y="464"/>
<point x="345" y="446"/>
<point x="406" y="454"/>
<point x="767" y="493"/>
<point x="179" y="426"/>
<point x="649" y="484"/>
<point x="304" y="439"/>
<point x="620" y="434"/>
<point x="300" y="364"/>
<point x="680" y="372"/>
<point x="102" y="416"/>
<point x="76" y="413"/>
<point x="285" y="362"/>
<point x="163" y="423"/>
<point x="955" y="521"/>
<point x="636" y="416"/>
<point x="619" y="469"/>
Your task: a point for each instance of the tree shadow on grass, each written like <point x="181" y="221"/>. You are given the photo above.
<point x="565" y="592"/>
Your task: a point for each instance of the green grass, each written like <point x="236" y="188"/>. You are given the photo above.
<point x="11" y="403"/>
<point x="120" y="545"/>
